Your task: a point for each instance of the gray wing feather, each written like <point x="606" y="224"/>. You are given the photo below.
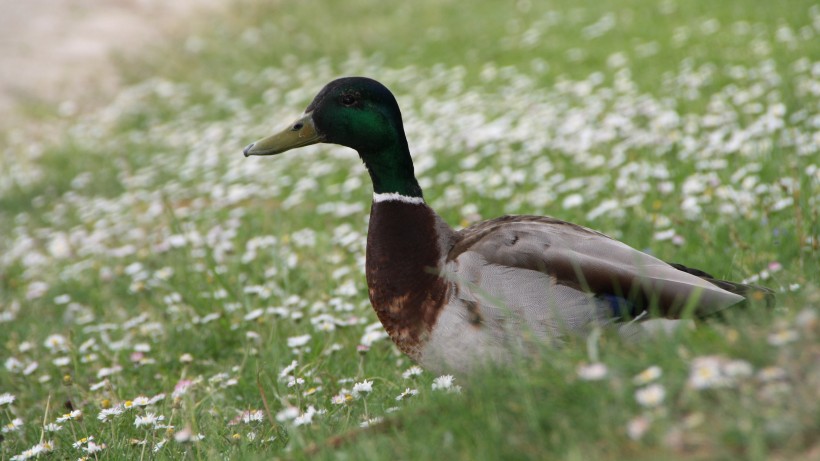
<point x="517" y="282"/>
<point x="572" y="256"/>
<point x="509" y="299"/>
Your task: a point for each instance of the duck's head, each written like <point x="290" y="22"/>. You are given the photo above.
<point x="356" y="112"/>
<point x="359" y="113"/>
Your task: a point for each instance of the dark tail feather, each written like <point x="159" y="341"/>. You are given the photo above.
<point x="752" y="293"/>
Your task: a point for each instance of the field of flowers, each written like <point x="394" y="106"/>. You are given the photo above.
<point x="161" y="296"/>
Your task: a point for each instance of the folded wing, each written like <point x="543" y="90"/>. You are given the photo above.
<point x="578" y="263"/>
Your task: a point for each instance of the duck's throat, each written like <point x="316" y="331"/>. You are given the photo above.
<point x="403" y="258"/>
<point x="391" y="170"/>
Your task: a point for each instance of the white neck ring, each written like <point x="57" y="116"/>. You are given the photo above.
<point x="395" y="197"/>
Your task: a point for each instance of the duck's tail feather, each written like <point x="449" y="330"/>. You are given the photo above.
<point x="752" y="293"/>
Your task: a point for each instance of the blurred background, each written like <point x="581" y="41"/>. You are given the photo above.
<point x="63" y="51"/>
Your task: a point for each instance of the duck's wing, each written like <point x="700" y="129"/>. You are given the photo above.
<point x="580" y="262"/>
<point x="749" y="291"/>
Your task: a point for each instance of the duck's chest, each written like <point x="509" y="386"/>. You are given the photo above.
<point x="404" y="259"/>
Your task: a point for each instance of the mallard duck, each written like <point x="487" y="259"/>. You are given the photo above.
<point x="452" y="300"/>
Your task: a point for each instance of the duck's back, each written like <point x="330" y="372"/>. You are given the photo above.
<point x="517" y="281"/>
<point x="582" y="258"/>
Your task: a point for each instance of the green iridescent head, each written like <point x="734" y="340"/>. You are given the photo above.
<point x="359" y="113"/>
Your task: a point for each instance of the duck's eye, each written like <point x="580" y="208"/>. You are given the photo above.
<point x="348" y="99"/>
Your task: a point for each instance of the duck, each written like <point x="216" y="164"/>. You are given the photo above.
<point x="456" y="300"/>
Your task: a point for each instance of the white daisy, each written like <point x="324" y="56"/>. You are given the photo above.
<point x="14" y="425"/>
<point x="445" y="383"/>
<point x="150" y="419"/>
<point x="705" y="372"/>
<point x="783" y="337"/>
<point x="341" y="398"/>
<point x="407" y="393"/>
<point x="592" y="372"/>
<point x="650" y="396"/>
<point x="306" y="417"/>
<point x="6" y="399"/>
<point x="364" y="387"/>
<point x="415" y="370"/>
<point x="298" y="341"/>
<point x="647" y="376"/>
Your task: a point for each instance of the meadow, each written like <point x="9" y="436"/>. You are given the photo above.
<point x="163" y="297"/>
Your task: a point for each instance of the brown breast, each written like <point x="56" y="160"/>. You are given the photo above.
<point x="402" y="268"/>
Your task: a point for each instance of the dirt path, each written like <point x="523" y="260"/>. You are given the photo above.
<point x="57" y="52"/>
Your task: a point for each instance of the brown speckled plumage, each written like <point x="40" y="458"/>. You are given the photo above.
<point x="407" y="297"/>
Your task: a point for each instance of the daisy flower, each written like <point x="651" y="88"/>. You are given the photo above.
<point x="407" y="393"/>
<point x="56" y="343"/>
<point x="445" y="383"/>
<point x="35" y="451"/>
<point x="637" y="427"/>
<point x="150" y="419"/>
<point x="770" y="374"/>
<point x="364" y="387"/>
<point x="92" y="447"/>
<point x="306" y="417"/>
<point x="371" y="422"/>
<point x="6" y="399"/>
<point x="705" y="373"/>
<point x="287" y="414"/>
<point x="98" y="385"/>
<point x="30" y="368"/>
<point x="311" y="391"/>
<point x="14" y="425"/>
<point x="187" y="435"/>
<point x="107" y="414"/>
<point x="82" y="441"/>
<point x="341" y="398"/>
<point x="248" y="417"/>
<point x="74" y="415"/>
<point x="13" y="364"/>
<point x="298" y="341"/>
<point x="738" y="369"/>
<point x="288" y="369"/>
<point x="181" y="388"/>
<point x="52" y="427"/>
<point x="647" y="376"/>
<point x="373" y="336"/>
<point x="254" y="314"/>
<point x="415" y="370"/>
<point x="108" y="371"/>
<point x="650" y="396"/>
<point x="783" y="337"/>
<point x="592" y="372"/>
<point x="158" y="446"/>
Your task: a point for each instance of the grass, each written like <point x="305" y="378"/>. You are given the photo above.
<point x="142" y="256"/>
